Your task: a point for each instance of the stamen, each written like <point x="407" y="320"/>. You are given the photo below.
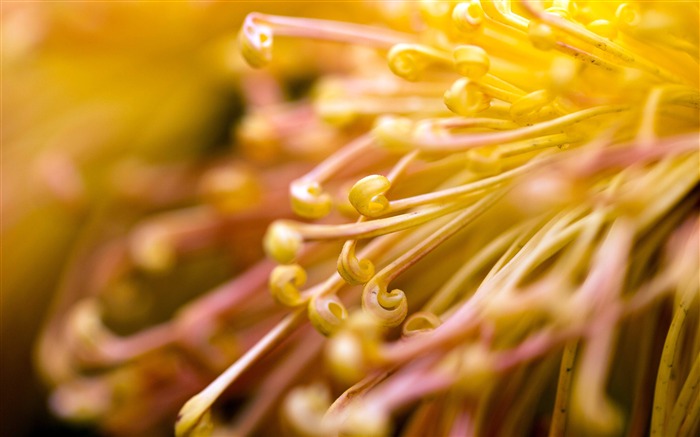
<point x="390" y="308"/>
<point x="284" y="238"/>
<point x="409" y="61"/>
<point x="197" y="407"/>
<point x="307" y="195"/>
<point x="612" y="50"/>
<point x="257" y="33"/>
<point x="420" y="322"/>
<point x="285" y="281"/>
<point x="456" y="143"/>
<point x="353" y="270"/>
<point x="471" y="62"/>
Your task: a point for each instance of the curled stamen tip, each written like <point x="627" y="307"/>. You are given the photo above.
<point x="194" y="418"/>
<point x="406" y="61"/>
<point x="468" y="16"/>
<point x="282" y="242"/>
<point x="285" y="282"/>
<point x="471" y="61"/>
<point x="389" y="308"/>
<point x="367" y="195"/>
<point x="309" y="200"/>
<point x="327" y="314"/>
<point x="530" y="104"/>
<point x="303" y="409"/>
<point x="394" y="133"/>
<point x="628" y="15"/>
<point x="255" y="42"/>
<point x="466" y="98"/>
<point x="420" y="322"/>
<point x="354" y="270"/>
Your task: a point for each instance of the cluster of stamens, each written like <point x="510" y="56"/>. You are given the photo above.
<point x="512" y="197"/>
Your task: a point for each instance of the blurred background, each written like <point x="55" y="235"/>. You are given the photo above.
<point x="111" y="112"/>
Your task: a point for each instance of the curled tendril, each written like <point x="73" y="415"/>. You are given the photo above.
<point x="326" y="313"/>
<point x="309" y="200"/>
<point x="391" y="132"/>
<point x="255" y="41"/>
<point x="389" y="308"/>
<point x="353" y="270"/>
<point x="282" y="242"/>
<point x="420" y="322"/>
<point x="468" y="16"/>
<point x="471" y="61"/>
<point x="409" y="61"/>
<point x="285" y="282"/>
<point x="466" y="98"/>
<point x="367" y="195"/>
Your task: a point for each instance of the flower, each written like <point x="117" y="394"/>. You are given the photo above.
<point x="503" y="239"/>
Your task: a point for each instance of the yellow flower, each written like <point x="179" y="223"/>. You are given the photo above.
<point x="502" y="238"/>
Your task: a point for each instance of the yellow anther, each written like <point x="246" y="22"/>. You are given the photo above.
<point x="468" y="16"/>
<point x="393" y="133"/>
<point x="364" y="421"/>
<point x="436" y="12"/>
<point x="475" y="370"/>
<point x="541" y="35"/>
<point x="152" y="248"/>
<point x="284" y="284"/>
<point x="255" y="41"/>
<point x="628" y="15"/>
<point x="409" y="61"/>
<point x="559" y="12"/>
<point x="353" y="270"/>
<point x="471" y="61"/>
<point x="603" y="28"/>
<point x="345" y="357"/>
<point x="231" y="189"/>
<point x="388" y="308"/>
<point x="367" y="195"/>
<point x="336" y="111"/>
<point x="530" y="104"/>
<point x="420" y="322"/>
<point x="282" y="242"/>
<point x="326" y="313"/>
<point x="303" y="409"/>
<point x="466" y="98"/>
<point x="482" y="161"/>
<point x="309" y="200"/>
<point x="563" y="72"/>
